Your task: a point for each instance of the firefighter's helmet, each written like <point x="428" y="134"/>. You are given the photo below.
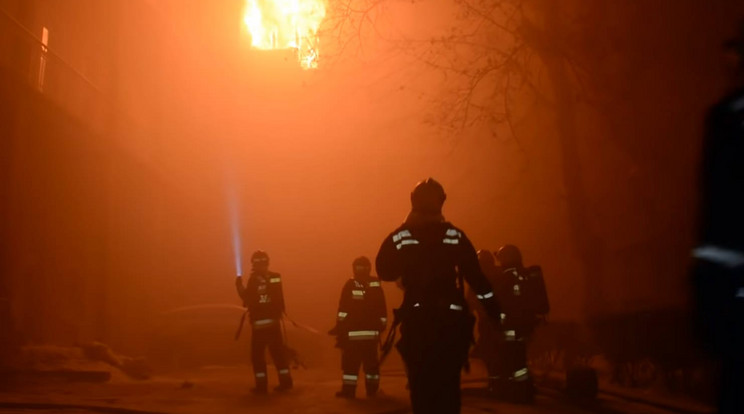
<point x="509" y="256"/>
<point x="428" y="196"/>
<point x="361" y="266"/>
<point x="259" y="258"/>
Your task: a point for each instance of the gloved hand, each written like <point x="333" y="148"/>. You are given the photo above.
<point x="241" y="290"/>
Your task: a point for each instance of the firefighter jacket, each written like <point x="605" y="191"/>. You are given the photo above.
<point x="263" y="297"/>
<point x="719" y="268"/>
<point x="524" y="300"/>
<point x="722" y="194"/>
<point x="431" y="258"/>
<point x="362" y="314"/>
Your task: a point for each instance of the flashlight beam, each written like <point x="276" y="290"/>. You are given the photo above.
<point x="235" y="230"/>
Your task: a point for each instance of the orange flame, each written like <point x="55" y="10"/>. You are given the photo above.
<point x="286" y="24"/>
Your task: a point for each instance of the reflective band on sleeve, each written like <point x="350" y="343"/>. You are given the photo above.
<point x="263" y="322"/>
<point x="260" y="374"/>
<point x="284" y="371"/>
<point x="363" y="335"/>
<point x="520" y="375"/>
<point x="455" y="307"/>
<point x="488" y="295"/>
<point x="400" y="235"/>
<point x="374" y="284"/>
<point x="719" y="255"/>
<point x="373" y="377"/>
<point x="451" y="241"/>
<point x="275" y="280"/>
<point x="405" y="242"/>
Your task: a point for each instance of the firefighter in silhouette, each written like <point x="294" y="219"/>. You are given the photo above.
<point x="719" y="257"/>
<point x="433" y="258"/>
<point x="524" y="304"/>
<point x="361" y="318"/>
<point x="263" y="297"/>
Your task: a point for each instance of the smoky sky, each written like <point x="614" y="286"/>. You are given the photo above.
<point x="317" y="166"/>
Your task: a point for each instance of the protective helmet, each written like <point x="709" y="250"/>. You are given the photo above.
<point x="509" y="256"/>
<point x="361" y="266"/>
<point x="259" y="257"/>
<point x="428" y="196"/>
<point x="486" y="259"/>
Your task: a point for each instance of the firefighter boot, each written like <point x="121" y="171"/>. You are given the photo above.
<point x="261" y="387"/>
<point x="523" y="392"/>
<point x="347" y="391"/>
<point x="372" y="384"/>
<point x="285" y="381"/>
<point x="498" y="388"/>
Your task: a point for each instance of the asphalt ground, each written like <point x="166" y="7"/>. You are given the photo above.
<point x="221" y="389"/>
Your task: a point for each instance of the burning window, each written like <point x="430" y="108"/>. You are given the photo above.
<point x="286" y="24"/>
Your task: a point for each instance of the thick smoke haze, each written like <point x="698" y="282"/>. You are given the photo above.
<point x="133" y="216"/>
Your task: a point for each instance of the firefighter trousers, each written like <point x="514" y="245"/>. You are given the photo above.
<point x="269" y="337"/>
<point x="358" y="354"/>
<point x="508" y="376"/>
<point x="434" y="349"/>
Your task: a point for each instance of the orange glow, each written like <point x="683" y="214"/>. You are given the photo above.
<point x="286" y="24"/>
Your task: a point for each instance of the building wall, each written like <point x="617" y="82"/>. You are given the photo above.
<point x="79" y="195"/>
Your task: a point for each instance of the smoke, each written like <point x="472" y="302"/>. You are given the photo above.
<point x="234" y="214"/>
<point x="232" y="198"/>
<point x="233" y="206"/>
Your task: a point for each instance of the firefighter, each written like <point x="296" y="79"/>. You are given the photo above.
<point x="718" y="274"/>
<point x="432" y="258"/>
<point x="361" y="318"/>
<point x="263" y="297"/>
<point x="524" y="304"/>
